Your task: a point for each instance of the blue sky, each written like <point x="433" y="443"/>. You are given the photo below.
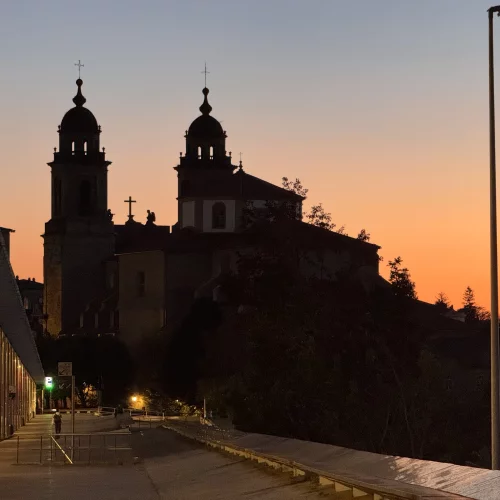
<point x="379" y="107"/>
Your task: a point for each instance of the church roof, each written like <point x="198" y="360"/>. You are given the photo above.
<point x="241" y="185"/>
<point x="253" y="188"/>
<point x="206" y="127"/>
<point x="314" y="236"/>
<point x="79" y="119"/>
<point x="138" y="237"/>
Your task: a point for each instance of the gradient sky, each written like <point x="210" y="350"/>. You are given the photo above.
<point x="380" y="108"/>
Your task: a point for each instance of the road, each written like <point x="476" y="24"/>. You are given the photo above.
<point x="182" y="470"/>
<point x="170" y="467"/>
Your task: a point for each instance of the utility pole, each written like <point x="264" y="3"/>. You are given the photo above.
<point x="72" y="416"/>
<point x="494" y="352"/>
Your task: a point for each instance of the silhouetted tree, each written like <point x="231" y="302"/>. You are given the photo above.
<point x="400" y="279"/>
<point x="101" y="362"/>
<point x="319" y="218"/>
<point x="469" y="306"/>
<point x="294" y="186"/>
<point x="186" y="351"/>
<point x="363" y="235"/>
<point x="442" y="302"/>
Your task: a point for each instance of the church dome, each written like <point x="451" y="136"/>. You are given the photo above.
<point x="79" y="119"/>
<point x="206" y="126"/>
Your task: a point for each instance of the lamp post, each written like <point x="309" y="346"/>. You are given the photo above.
<point x="495" y="374"/>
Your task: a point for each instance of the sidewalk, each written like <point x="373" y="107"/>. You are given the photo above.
<point x="20" y="482"/>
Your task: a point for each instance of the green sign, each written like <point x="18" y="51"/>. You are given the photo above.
<point x="49" y="383"/>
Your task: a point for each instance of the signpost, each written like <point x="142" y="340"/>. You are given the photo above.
<point x="65" y="369"/>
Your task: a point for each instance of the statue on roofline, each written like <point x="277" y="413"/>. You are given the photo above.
<point x="151" y="218"/>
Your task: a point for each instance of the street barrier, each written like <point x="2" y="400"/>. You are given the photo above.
<point x="74" y="449"/>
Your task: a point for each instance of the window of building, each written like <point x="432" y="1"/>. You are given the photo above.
<point x="218" y="215"/>
<point x="85" y="147"/>
<point x="211" y="152"/>
<point x="199" y="152"/>
<point x="141" y="284"/>
<point x="73" y="147"/>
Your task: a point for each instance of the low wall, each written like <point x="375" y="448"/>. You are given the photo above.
<point x="364" y="467"/>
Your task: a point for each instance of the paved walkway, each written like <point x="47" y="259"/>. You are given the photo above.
<point x="170" y="468"/>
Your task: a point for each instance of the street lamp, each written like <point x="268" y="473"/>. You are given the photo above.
<point x="495" y="374"/>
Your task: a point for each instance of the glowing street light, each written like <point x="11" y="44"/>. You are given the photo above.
<point x="134" y="398"/>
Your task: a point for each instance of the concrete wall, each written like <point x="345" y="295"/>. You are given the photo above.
<point x="141" y="315"/>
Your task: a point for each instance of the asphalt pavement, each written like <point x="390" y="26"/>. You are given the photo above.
<point x="168" y="466"/>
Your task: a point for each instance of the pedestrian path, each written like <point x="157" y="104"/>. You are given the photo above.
<point x="170" y="468"/>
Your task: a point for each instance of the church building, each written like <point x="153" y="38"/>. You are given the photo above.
<point x="136" y="279"/>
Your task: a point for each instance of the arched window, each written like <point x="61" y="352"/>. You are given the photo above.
<point x="73" y="147"/>
<point x="85" y="147"/>
<point x="85" y="199"/>
<point x="219" y="215"/>
<point x="185" y="188"/>
<point x="211" y="152"/>
<point x="199" y="152"/>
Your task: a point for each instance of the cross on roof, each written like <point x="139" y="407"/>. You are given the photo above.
<point x="80" y="66"/>
<point x="206" y="72"/>
<point x="130" y="201"/>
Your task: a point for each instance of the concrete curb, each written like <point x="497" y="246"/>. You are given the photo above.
<point x="344" y="485"/>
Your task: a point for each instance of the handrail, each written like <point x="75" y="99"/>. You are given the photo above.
<point x="100" y="445"/>
<point x="63" y="452"/>
<point x="120" y="432"/>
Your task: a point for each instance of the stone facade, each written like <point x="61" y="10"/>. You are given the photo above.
<point x="79" y="237"/>
<point x="137" y="279"/>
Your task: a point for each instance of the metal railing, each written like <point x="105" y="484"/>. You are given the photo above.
<point x="72" y="449"/>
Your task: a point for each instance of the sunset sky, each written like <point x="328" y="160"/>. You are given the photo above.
<point x="380" y="108"/>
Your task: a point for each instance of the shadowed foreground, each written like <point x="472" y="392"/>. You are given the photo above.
<point x="170" y="468"/>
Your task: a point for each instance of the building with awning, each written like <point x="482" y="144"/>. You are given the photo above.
<point x="20" y="366"/>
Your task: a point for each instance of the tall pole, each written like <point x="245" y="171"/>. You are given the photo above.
<point x="72" y="416"/>
<point x="495" y="374"/>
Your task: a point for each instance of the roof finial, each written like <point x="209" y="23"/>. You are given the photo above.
<point x="80" y="66"/>
<point x="205" y="108"/>
<point x="79" y="100"/>
<point x="241" y="162"/>
<point x="206" y="72"/>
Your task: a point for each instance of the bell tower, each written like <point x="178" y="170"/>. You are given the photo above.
<point x="204" y="166"/>
<point x="79" y="236"/>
